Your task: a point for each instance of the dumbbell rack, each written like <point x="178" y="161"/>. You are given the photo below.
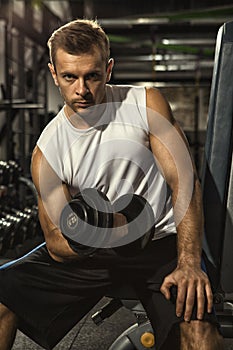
<point x="18" y="211"/>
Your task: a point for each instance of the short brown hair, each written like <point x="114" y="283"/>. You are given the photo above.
<point x="79" y="36"/>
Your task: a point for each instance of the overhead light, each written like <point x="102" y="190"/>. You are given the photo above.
<point x="188" y="66"/>
<point x="183" y="66"/>
<point x="120" y="22"/>
<point x="155" y="57"/>
<point x="160" y="68"/>
<point x="152" y="20"/>
<point x="214" y="20"/>
<point x="168" y="84"/>
<point x="188" y="41"/>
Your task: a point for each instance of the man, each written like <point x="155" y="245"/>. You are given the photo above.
<point x="119" y="140"/>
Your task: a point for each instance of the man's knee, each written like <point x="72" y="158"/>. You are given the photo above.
<point x="200" y="335"/>
<point x="8" y="328"/>
<point x="7" y="315"/>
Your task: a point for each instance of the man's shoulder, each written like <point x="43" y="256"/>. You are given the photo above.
<point x="125" y="87"/>
<point x="54" y="123"/>
<point x="57" y="119"/>
<point x="128" y="93"/>
<point x="50" y="133"/>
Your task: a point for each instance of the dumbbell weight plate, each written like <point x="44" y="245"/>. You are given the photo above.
<point x="76" y="218"/>
<point x="140" y="218"/>
<point x="86" y="219"/>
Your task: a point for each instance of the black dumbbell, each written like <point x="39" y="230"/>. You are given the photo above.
<point x="86" y="221"/>
<point x="140" y="224"/>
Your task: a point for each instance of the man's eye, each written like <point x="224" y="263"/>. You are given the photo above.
<point x="92" y="76"/>
<point x="68" y="77"/>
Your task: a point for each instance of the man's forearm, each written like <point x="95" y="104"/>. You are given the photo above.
<point x="190" y="231"/>
<point x="56" y="244"/>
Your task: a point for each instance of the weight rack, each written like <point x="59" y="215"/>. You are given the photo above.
<point x="19" y="224"/>
<point x="24" y="27"/>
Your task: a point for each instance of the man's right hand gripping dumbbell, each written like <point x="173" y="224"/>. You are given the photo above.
<point x="89" y="222"/>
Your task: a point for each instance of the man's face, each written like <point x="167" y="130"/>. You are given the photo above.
<point x="81" y="79"/>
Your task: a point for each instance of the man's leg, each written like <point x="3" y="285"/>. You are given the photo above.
<point x="200" y="335"/>
<point x="8" y="328"/>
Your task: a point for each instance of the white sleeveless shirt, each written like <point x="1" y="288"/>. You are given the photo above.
<point x="113" y="156"/>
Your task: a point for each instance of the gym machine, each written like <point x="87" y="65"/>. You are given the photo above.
<point x="217" y="184"/>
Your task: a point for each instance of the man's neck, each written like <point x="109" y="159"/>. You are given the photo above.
<point x="76" y="119"/>
<point x="89" y="118"/>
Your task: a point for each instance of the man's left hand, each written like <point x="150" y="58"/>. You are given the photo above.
<point x="192" y="285"/>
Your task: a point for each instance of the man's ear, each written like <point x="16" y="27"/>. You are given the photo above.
<point x="53" y="73"/>
<point x="109" y="69"/>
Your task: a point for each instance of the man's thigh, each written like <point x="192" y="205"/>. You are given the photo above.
<point x="147" y="273"/>
<point x="48" y="297"/>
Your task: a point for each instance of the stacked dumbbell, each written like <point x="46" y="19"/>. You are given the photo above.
<point x="87" y="222"/>
<point x="10" y="173"/>
<point x="18" y="222"/>
<point x="16" y="226"/>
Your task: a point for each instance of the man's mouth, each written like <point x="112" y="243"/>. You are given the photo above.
<point x="82" y="104"/>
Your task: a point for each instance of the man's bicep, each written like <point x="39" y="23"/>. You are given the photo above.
<point x="164" y="160"/>
<point x="53" y="194"/>
<point x="167" y="140"/>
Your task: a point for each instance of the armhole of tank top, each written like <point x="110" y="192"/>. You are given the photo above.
<point x="50" y="159"/>
<point x="143" y="110"/>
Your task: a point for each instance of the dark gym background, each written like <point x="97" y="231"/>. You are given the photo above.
<point x="167" y="44"/>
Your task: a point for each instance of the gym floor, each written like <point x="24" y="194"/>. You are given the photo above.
<point x="87" y="336"/>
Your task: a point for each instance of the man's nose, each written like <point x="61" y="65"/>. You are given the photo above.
<point x="81" y="87"/>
